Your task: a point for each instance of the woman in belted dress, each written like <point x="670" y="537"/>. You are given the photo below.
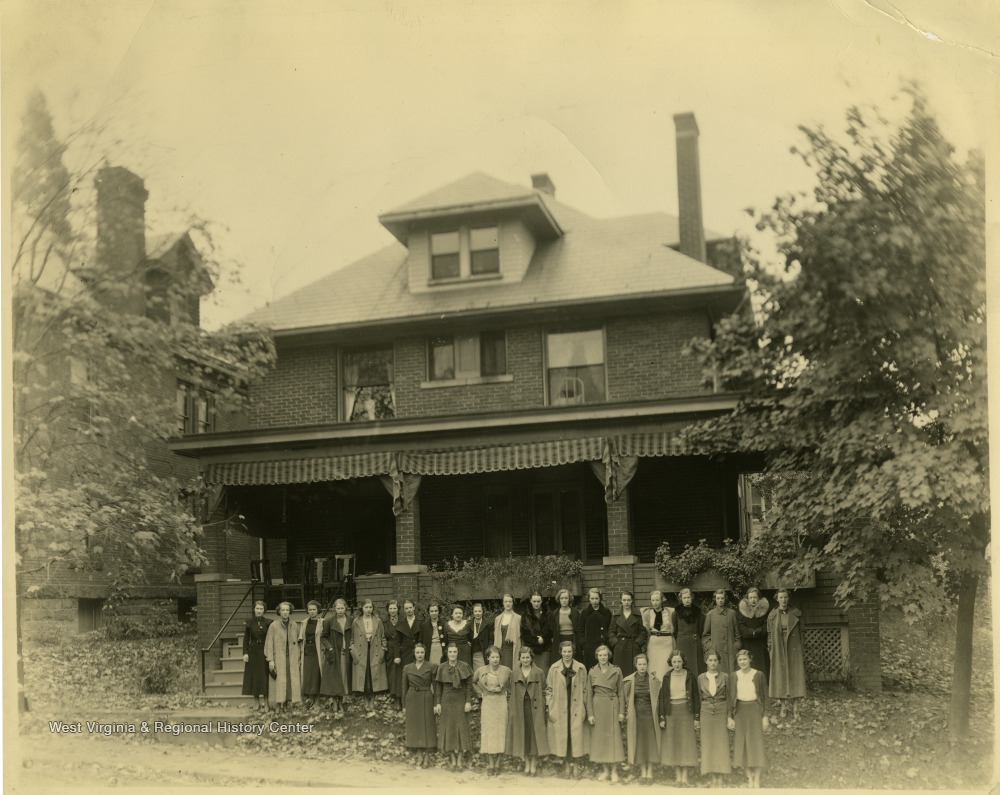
<point x="606" y="709"/>
<point x="453" y="703"/>
<point x="658" y="619"/>
<point x="255" y="677"/>
<point x="336" y="648"/>
<point x="283" y="648"/>
<point x="507" y="632"/>
<point x="458" y="630"/>
<point x="418" y="704"/>
<point x="642" y="730"/>
<point x="713" y="693"/>
<point x="492" y="684"/>
<point x="678" y="714"/>
<point x="527" y="737"/>
<point x="688" y="625"/>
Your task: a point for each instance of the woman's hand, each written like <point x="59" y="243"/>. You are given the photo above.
<point x="591" y="720"/>
<point x="663" y="723"/>
<point x="731" y="724"/>
<point x="697" y="725"/>
<point x="468" y="707"/>
<point x="621" y="717"/>
<point x="765" y="723"/>
<point x="270" y="664"/>
<point x="246" y="658"/>
<point x="437" y="709"/>
<point x="397" y="661"/>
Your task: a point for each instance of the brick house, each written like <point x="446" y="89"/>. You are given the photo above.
<point x="505" y="378"/>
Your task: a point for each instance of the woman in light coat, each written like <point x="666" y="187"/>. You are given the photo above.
<point x="368" y="645"/>
<point x="283" y="650"/>
<point x="566" y="695"/>
<point x="507" y="633"/>
<point x="606" y="711"/>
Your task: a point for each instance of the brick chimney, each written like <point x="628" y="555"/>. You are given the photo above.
<point x="121" y="236"/>
<point x="543" y="183"/>
<point x="692" y="228"/>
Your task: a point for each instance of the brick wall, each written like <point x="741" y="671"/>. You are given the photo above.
<point x="300" y="390"/>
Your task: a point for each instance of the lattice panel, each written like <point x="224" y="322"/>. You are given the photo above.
<point x="826" y="653"/>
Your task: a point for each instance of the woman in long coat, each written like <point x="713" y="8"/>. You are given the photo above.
<point x="535" y="631"/>
<point x="658" y="619"/>
<point x="752" y="622"/>
<point x="492" y="684"/>
<point x="527" y="737"/>
<point x="593" y="626"/>
<point x="418" y="704"/>
<point x="748" y="717"/>
<point x="566" y="696"/>
<point x="688" y="625"/>
<point x="606" y="710"/>
<point x="453" y="703"/>
<point x="407" y="635"/>
<point x="507" y="632"/>
<point x="642" y="729"/>
<point x="722" y="633"/>
<point x="311" y="659"/>
<point x="677" y="710"/>
<point x="393" y="662"/>
<point x="282" y="648"/>
<point x="713" y="693"/>
<point x="788" y="668"/>
<point x="255" y="677"/>
<point x="627" y="635"/>
<point x="336" y="648"/>
<point x="368" y="646"/>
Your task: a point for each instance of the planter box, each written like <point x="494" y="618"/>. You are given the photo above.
<point x="772" y="580"/>
<point x="494" y="589"/>
<point x="707" y="581"/>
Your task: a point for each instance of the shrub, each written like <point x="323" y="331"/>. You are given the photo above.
<point x="156" y="623"/>
<point x="156" y="675"/>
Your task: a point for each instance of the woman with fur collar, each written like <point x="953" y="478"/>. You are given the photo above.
<point x="752" y="621"/>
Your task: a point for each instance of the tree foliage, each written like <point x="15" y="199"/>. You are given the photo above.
<point x="95" y="384"/>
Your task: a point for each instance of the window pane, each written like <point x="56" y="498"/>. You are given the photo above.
<point x="182" y="408"/>
<point x="485" y="237"/>
<point x="368" y="367"/>
<point x="576" y="348"/>
<point x="572" y="385"/>
<point x="493" y="353"/>
<point x="444" y="243"/>
<point x="485" y="261"/>
<point x="444" y="266"/>
<point x="442" y="358"/>
<point x="467" y="354"/>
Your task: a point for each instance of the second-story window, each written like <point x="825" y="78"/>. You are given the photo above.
<point x="369" y="391"/>
<point x="465" y="253"/>
<point x="195" y="409"/>
<point x="455" y="356"/>
<point x="575" y="362"/>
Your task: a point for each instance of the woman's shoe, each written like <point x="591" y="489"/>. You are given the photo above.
<point x="614" y="776"/>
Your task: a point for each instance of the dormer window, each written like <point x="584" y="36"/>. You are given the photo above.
<point x="466" y="252"/>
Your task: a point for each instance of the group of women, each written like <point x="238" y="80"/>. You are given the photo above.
<point x="667" y="675"/>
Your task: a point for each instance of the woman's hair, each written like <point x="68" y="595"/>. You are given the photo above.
<point x="451" y="645"/>
<point x="677" y="653"/>
<point x="712" y="653"/>
<point x="564" y="644"/>
<point x="420" y="644"/>
<point x="753" y="589"/>
<point x="533" y="594"/>
<point x="524" y="650"/>
<point x="260" y="602"/>
<point x="655" y="593"/>
<point x="312" y="602"/>
<point x="746" y="652"/>
<point x="718" y="591"/>
<point x="505" y="595"/>
<point x="408" y="602"/>
<point x="629" y="594"/>
<point x="339" y="601"/>
<point x="433" y="603"/>
<point x="784" y="591"/>
<point x="390" y="603"/>
<point x="597" y="591"/>
<point x="640" y="656"/>
<point x="479" y="605"/>
<point x="277" y="610"/>
<point x="680" y="593"/>
<point x="598" y="650"/>
<point x="458" y="607"/>
<point x="491" y="650"/>
<point x="368" y="601"/>
<point x="559" y="594"/>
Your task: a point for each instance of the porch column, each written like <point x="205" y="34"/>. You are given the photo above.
<point x="405" y="581"/>
<point x="619" y="560"/>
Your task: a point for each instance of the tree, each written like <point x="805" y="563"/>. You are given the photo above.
<point x="95" y="369"/>
<point x="864" y="370"/>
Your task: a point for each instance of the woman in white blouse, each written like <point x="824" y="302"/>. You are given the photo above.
<point x="748" y="717"/>
<point x="713" y="689"/>
<point x="659" y="622"/>
<point x="507" y="633"/>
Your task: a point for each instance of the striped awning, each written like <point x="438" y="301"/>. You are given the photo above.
<point x="455" y="461"/>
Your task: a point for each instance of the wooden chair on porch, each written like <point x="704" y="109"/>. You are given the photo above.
<point x="275" y="590"/>
<point x="342" y="585"/>
<point x="318" y="579"/>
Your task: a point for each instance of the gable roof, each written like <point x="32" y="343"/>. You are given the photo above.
<point x="594" y="259"/>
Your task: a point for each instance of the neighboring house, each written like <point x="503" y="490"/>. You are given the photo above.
<point x="512" y="371"/>
<point x="67" y="597"/>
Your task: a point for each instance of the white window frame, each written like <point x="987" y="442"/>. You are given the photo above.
<point x="546" y="365"/>
<point x="464" y="254"/>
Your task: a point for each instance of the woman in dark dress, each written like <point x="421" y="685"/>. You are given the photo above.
<point x="752" y="622"/>
<point x="255" y="678"/>
<point x="458" y="631"/>
<point x="407" y="634"/>
<point x="480" y="635"/>
<point x="689" y="624"/>
<point x="312" y="627"/>
<point x="536" y="633"/>
<point x="527" y="735"/>
<point x="418" y="704"/>
<point x="393" y="666"/>
<point x="336" y="648"/>
<point x="453" y="703"/>
<point x="642" y="692"/>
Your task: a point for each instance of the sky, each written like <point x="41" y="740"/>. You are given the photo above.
<point x="292" y="125"/>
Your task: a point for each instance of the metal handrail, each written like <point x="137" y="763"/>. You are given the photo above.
<point x="222" y="629"/>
